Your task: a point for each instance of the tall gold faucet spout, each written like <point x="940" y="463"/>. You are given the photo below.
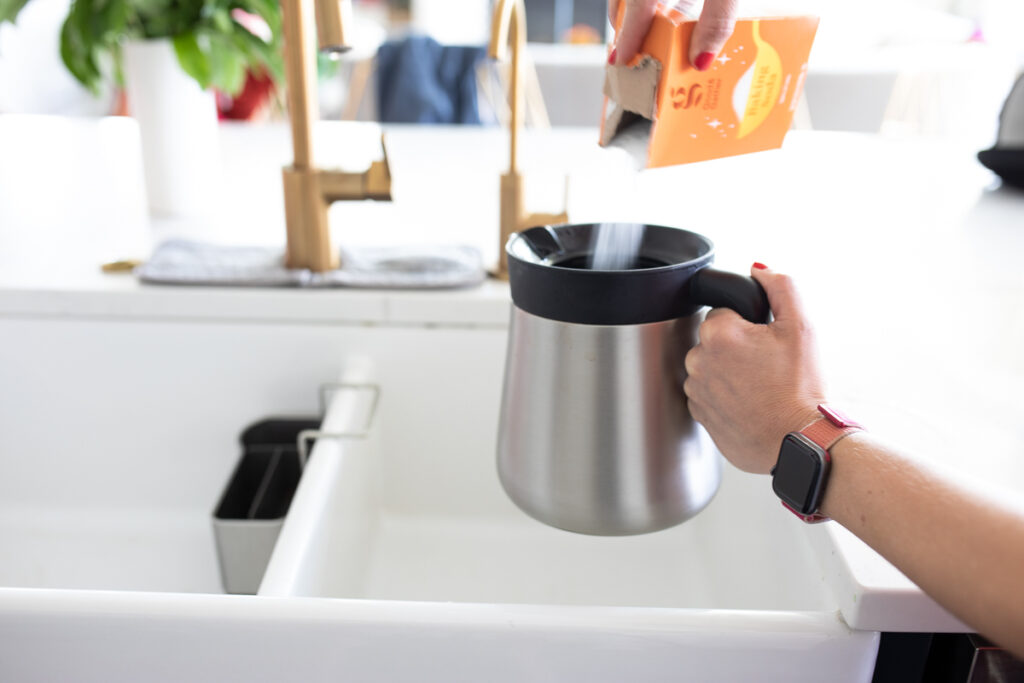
<point x="508" y="15"/>
<point x="309" y="190"/>
<point x="509" y="27"/>
<point x="333" y="17"/>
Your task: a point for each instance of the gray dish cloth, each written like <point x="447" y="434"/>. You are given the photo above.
<point x="186" y="262"/>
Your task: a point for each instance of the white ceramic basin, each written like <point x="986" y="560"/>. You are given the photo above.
<point x="401" y="558"/>
<point x="744" y="552"/>
<point x="734" y="591"/>
<point x="102" y="547"/>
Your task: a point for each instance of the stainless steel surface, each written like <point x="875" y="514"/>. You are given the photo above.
<point x="595" y="436"/>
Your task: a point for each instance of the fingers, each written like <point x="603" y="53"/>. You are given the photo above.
<point x="715" y="313"/>
<point x="695" y="388"/>
<point x="716" y="23"/>
<point x="783" y="296"/>
<point x="697" y="409"/>
<point x="691" y="8"/>
<point x="720" y="322"/>
<point x="691" y="361"/>
<point x="635" y="24"/>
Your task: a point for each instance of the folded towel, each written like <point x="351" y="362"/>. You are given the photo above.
<point x="185" y="262"/>
<point x="406" y="267"/>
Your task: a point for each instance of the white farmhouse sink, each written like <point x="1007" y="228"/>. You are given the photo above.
<point x="383" y="520"/>
<point x="103" y="547"/>
<point x="459" y="538"/>
<point x="401" y="558"/>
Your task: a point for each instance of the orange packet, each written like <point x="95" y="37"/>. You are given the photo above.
<point x="743" y="103"/>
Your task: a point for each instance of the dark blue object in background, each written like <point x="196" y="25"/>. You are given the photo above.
<point x="422" y="81"/>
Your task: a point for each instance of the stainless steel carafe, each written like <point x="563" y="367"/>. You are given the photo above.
<point x="595" y="436"/>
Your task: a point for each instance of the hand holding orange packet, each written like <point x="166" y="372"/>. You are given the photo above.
<point x="744" y="102"/>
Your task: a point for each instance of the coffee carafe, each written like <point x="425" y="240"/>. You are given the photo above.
<point x="595" y="436"/>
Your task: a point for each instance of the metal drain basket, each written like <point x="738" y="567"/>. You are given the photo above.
<point x="252" y="509"/>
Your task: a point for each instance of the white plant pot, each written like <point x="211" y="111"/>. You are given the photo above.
<point x="178" y="126"/>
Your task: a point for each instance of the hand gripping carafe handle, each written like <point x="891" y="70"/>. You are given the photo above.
<point x="721" y="289"/>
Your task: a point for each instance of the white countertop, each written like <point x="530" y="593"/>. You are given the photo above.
<point x="909" y="263"/>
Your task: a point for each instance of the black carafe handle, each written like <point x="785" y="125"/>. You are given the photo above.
<point x="721" y="289"/>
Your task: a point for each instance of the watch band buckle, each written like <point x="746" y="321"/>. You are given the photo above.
<point x="813" y="518"/>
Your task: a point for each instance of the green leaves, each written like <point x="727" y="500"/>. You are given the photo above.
<point x="192" y="59"/>
<point x="167" y="18"/>
<point x="9" y="9"/>
<point x="211" y="44"/>
<point x="218" y="51"/>
<point x="258" y="51"/>
<point x="83" y="39"/>
<point x="221" y="55"/>
<point x="228" y="65"/>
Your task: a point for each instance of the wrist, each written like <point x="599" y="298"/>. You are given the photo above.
<point x="807" y="414"/>
<point x="804" y="467"/>
<point x="844" y="462"/>
<point x="797" y="419"/>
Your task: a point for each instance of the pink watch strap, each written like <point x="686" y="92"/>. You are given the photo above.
<point x="815" y="518"/>
<point x="826" y="433"/>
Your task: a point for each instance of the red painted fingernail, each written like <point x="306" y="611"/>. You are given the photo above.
<point x="612" y="56"/>
<point x="703" y="61"/>
<point x="760" y="266"/>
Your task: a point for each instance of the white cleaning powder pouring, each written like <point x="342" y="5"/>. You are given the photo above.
<point x="616" y="246"/>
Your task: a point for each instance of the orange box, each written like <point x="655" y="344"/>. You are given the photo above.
<point x="743" y="103"/>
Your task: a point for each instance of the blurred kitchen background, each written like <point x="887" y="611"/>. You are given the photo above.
<point x="913" y="67"/>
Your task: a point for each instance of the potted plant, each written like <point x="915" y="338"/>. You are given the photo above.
<point x="170" y="55"/>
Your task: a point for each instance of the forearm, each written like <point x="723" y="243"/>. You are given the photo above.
<point x="964" y="551"/>
<point x="751" y="384"/>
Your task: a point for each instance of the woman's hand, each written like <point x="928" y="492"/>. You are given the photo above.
<point x="749" y="385"/>
<point x="715" y="25"/>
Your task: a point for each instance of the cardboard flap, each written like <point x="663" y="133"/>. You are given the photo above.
<point x="634" y="88"/>
<point x="632" y="93"/>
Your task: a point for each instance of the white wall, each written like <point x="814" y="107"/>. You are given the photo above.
<point x="33" y="79"/>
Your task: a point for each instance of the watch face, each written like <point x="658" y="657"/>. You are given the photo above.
<point x="798" y="475"/>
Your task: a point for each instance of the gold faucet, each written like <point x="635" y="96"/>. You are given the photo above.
<point x="509" y="27"/>
<point x="308" y="190"/>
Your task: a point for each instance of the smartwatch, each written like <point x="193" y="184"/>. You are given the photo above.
<point x="801" y="472"/>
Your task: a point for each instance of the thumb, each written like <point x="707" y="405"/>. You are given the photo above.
<point x="716" y="23"/>
<point x="635" y="23"/>
<point x="783" y="296"/>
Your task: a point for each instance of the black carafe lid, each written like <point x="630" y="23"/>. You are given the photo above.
<point x="550" y="275"/>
